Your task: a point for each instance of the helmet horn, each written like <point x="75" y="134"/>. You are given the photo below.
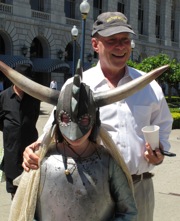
<point x="36" y="90"/>
<point x="119" y="93"/>
<point x="50" y="96"/>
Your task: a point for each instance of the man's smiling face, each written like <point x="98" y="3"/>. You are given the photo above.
<point x="114" y="51"/>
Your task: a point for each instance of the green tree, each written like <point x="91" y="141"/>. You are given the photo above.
<point x="171" y="76"/>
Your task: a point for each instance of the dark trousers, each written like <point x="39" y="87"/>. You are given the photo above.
<point x="9" y="186"/>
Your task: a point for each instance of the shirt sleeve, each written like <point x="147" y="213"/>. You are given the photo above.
<point x="125" y="207"/>
<point x="1" y="115"/>
<point x="37" y="108"/>
<point x="163" y="118"/>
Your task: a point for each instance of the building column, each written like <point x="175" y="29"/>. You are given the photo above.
<point x="165" y="20"/>
<point x="132" y="6"/>
<point x="150" y="20"/>
<point x="177" y="22"/>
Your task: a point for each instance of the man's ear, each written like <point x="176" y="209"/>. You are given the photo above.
<point x="94" y="42"/>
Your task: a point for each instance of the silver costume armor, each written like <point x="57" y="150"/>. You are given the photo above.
<point x="86" y="186"/>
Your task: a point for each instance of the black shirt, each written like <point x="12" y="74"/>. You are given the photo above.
<point x="18" y="119"/>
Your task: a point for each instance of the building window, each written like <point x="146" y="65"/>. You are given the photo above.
<point x="36" y="50"/>
<point x="69" y="8"/>
<point x="97" y="8"/>
<point x="2" y="46"/>
<point x="8" y="2"/>
<point x="69" y="52"/>
<point x="173" y="21"/>
<point x="120" y="6"/>
<point x="95" y="55"/>
<point x="37" y="5"/>
<point x="158" y="19"/>
<point x="140" y="17"/>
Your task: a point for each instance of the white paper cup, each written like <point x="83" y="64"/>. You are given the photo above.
<point x="151" y="135"/>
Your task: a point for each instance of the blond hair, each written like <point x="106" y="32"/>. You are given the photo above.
<point x="109" y="144"/>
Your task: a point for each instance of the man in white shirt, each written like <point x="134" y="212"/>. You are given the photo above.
<point x="53" y="85"/>
<point x="125" y="119"/>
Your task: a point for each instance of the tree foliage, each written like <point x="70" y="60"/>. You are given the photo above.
<point x="171" y="76"/>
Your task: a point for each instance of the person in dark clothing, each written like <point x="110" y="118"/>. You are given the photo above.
<point x="19" y="113"/>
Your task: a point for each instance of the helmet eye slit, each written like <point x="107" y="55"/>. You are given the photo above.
<point x="64" y="119"/>
<point x="84" y="121"/>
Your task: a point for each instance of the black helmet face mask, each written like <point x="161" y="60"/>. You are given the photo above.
<point x="76" y="111"/>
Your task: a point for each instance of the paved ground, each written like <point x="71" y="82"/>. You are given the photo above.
<point x="167" y="184"/>
<point x="166" y="180"/>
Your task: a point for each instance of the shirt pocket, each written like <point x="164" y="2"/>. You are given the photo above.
<point x="142" y="117"/>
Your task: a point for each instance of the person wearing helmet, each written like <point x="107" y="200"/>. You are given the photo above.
<point x="80" y="179"/>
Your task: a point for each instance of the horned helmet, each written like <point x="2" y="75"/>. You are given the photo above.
<point x="77" y="101"/>
<point x="76" y="110"/>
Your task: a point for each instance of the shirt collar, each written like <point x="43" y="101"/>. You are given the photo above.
<point x="133" y="73"/>
<point x="130" y="73"/>
<point x="100" y="79"/>
<point x="12" y="92"/>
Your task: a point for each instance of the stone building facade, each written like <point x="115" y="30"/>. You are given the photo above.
<point x="39" y="32"/>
